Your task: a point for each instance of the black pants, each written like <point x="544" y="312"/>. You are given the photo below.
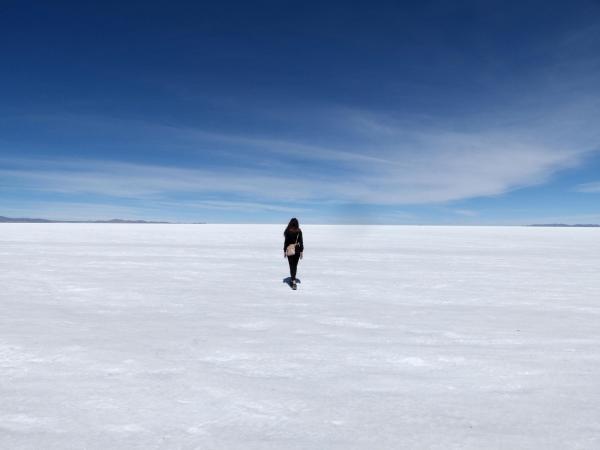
<point x="293" y="261"/>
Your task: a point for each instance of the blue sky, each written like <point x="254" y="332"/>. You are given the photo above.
<point x="467" y="112"/>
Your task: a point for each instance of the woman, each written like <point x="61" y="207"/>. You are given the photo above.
<point x="293" y="246"/>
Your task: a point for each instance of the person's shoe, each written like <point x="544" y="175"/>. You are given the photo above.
<point x="294" y="285"/>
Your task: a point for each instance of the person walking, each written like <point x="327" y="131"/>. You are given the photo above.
<point x="293" y="246"/>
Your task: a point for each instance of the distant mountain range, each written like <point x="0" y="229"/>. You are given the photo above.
<point x="580" y="225"/>
<point x="28" y="220"/>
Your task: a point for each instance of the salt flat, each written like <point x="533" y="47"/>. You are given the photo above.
<point x="185" y="336"/>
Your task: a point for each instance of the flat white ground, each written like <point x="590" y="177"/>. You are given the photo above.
<point x="185" y="336"/>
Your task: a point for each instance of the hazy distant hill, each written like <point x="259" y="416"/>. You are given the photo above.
<point x="28" y="220"/>
<point x="581" y="225"/>
<point x="23" y="220"/>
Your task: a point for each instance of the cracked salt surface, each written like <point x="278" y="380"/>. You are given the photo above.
<point x="184" y="336"/>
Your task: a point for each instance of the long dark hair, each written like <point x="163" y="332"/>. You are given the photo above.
<point x="293" y="226"/>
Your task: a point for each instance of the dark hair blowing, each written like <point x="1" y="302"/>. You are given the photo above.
<point x="293" y="226"/>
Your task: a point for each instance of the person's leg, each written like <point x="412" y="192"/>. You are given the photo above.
<point x="294" y="266"/>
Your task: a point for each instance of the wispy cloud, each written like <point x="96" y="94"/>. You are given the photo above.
<point x="150" y="182"/>
<point x="465" y="212"/>
<point x="224" y="205"/>
<point x="404" y="167"/>
<point x="418" y="178"/>
<point x="592" y="188"/>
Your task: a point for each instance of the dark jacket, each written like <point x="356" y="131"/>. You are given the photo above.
<point x="290" y="238"/>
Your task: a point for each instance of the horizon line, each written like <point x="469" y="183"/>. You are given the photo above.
<point x="116" y="221"/>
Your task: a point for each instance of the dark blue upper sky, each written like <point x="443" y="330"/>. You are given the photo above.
<point x="378" y="112"/>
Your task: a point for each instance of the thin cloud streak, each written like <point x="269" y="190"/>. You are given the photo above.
<point x="590" y="188"/>
<point x="250" y="207"/>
